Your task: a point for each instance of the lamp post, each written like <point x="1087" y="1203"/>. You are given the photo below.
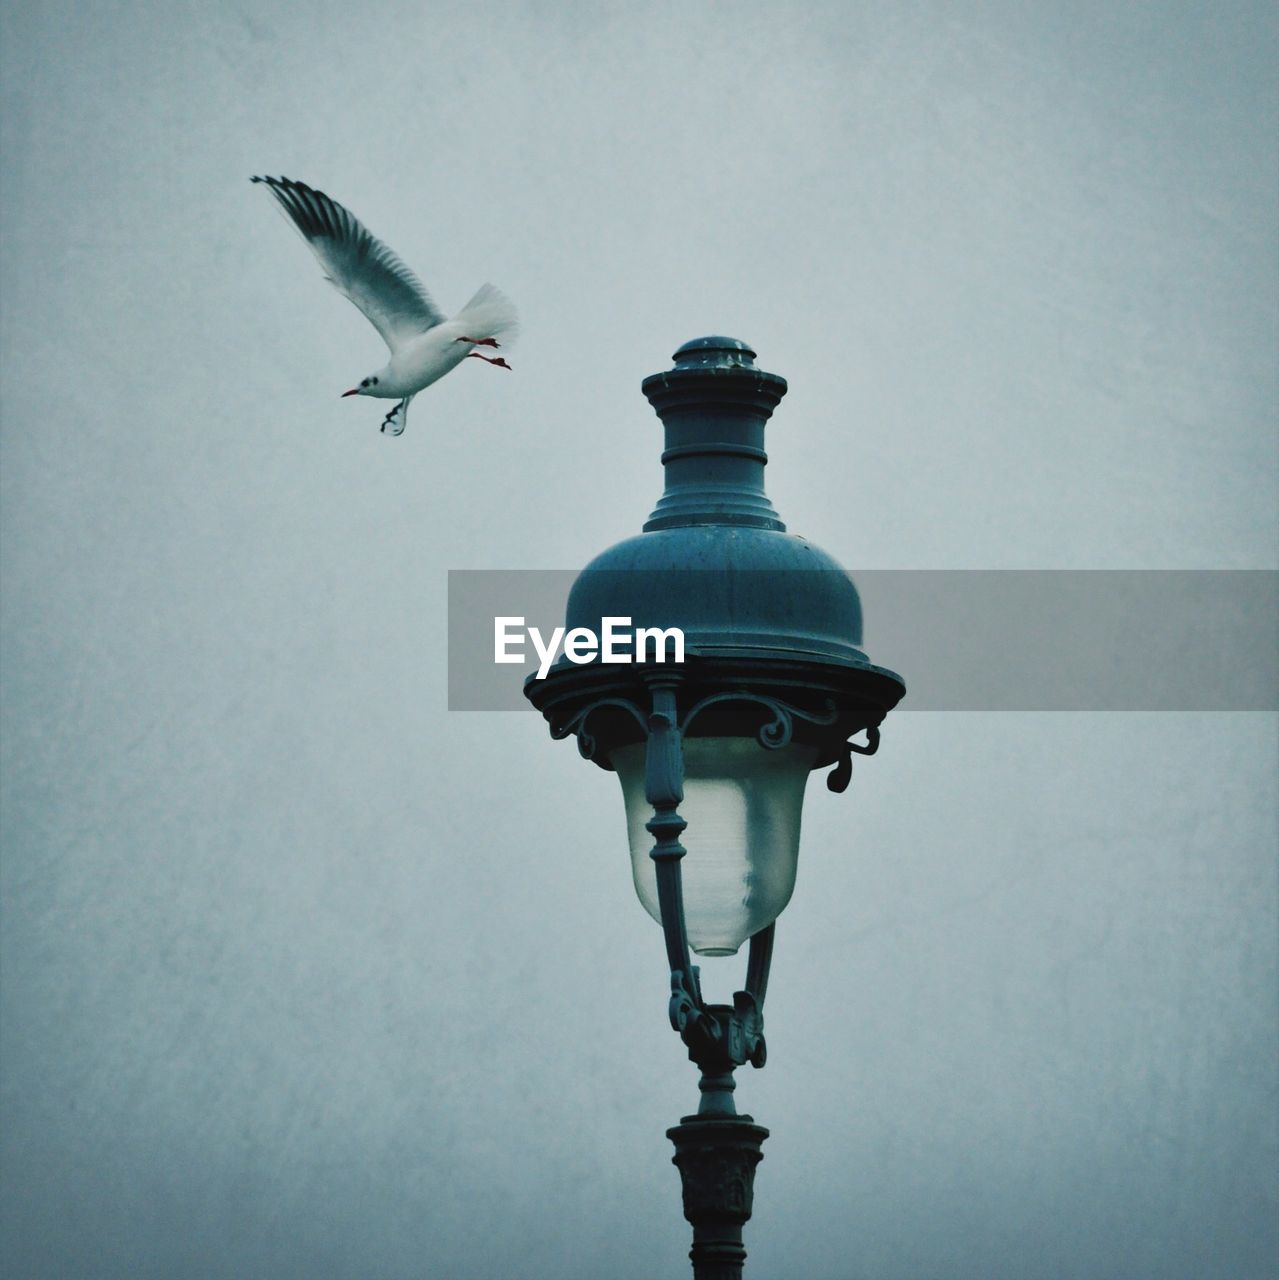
<point x="773" y="685"/>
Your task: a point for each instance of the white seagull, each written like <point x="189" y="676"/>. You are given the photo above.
<point x="425" y="344"/>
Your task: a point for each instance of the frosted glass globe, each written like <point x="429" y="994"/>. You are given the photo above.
<point x="742" y="804"/>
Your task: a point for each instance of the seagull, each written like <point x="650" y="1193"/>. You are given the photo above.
<point x="425" y="344"/>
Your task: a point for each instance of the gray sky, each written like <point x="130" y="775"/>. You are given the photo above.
<point x="304" y="976"/>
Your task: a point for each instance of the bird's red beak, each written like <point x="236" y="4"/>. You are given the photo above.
<point x="354" y="391"/>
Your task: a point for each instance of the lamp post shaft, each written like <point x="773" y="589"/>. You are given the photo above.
<point x="716" y="1156"/>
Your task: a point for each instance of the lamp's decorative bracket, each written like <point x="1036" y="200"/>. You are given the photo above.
<point x="719" y="1037"/>
<point x="841" y="775"/>
<point x="778" y="731"/>
<point x="576" y="724"/>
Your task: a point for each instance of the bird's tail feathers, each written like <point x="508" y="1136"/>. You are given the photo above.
<point x="491" y="314"/>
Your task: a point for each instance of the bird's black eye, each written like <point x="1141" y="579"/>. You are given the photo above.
<point x="375" y="382"/>
<point x="365" y="383"/>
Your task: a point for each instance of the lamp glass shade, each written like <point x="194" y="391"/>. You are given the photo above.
<point x="742" y="803"/>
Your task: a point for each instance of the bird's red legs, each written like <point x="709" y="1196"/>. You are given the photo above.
<point x="497" y="360"/>
<point x="480" y="342"/>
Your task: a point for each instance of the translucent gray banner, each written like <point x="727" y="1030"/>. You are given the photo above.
<point x="964" y="640"/>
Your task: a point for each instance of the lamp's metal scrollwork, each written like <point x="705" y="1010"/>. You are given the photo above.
<point x="576" y="724"/>
<point x="841" y="775"/>
<point x="778" y="731"/>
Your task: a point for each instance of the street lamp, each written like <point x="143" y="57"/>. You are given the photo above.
<point x="772" y="686"/>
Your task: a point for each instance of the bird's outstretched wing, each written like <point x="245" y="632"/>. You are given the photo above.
<point x="358" y="264"/>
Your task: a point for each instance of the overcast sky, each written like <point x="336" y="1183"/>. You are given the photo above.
<point x="305" y="976"/>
